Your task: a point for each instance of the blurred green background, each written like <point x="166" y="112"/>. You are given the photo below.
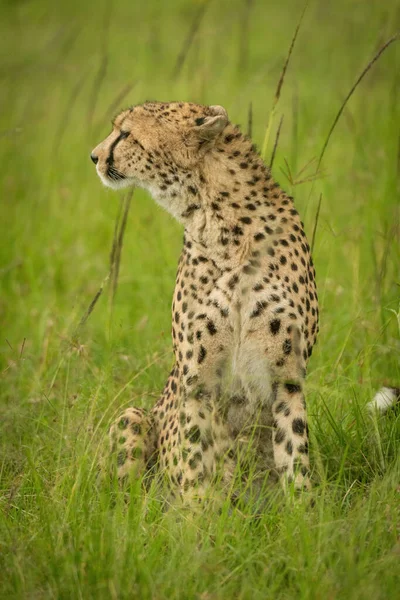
<point x="65" y="70"/>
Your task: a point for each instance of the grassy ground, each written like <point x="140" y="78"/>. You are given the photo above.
<point x="65" y="68"/>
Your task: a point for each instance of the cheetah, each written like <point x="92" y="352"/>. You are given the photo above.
<point x="245" y="305"/>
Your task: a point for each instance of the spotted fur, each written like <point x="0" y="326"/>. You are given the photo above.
<point x="245" y="307"/>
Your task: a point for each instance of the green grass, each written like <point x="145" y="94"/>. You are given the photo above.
<point x="63" y="532"/>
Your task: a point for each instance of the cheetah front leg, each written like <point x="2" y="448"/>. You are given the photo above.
<point x="196" y="442"/>
<point x="205" y="442"/>
<point x="290" y="439"/>
<point x="275" y="367"/>
<point x="133" y="439"/>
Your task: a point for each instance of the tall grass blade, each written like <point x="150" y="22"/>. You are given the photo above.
<point x="278" y="132"/>
<point x="280" y="84"/>
<point x="316" y="224"/>
<point x="250" y="120"/>
<point x="351" y="92"/>
<point x="197" y="19"/>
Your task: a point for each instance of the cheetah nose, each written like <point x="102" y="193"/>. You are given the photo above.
<point x="94" y="158"/>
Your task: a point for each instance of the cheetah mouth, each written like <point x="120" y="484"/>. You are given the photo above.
<point x="114" y="179"/>
<point x="114" y="174"/>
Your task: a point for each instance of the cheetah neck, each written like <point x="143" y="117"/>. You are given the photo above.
<point x="238" y="203"/>
<point x="228" y="202"/>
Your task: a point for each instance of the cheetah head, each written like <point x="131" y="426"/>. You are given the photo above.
<point x="155" y="145"/>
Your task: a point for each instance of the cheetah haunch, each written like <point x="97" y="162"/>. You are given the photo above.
<point x="245" y="308"/>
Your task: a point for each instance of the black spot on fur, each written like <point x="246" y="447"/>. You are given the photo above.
<point x="292" y="388"/>
<point x="121" y="458"/>
<point x="259" y="309"/>
<point x="136" y="428"/>
<point x="194" y="461"/>
<point x="212" y="330"/>
<point x="233" y="281"/>
<point x="289" y="447"/>
<point x="123" y="423"/>
<point x="274" y="326"/>
<point x="287" y="346"/>
<point x="303" y="448"/>
<point x="193" y="434"/>
<point x="279" y="436"/>
<point x="202" y="354"/>
<point x="298" y="426"/>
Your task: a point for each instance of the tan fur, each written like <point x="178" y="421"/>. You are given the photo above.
<point x="245" y="309"/>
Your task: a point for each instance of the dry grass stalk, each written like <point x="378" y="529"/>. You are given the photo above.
<point x="341" y="109"/>
<point x="115" y="236"/>
<point x="250" y="120"/>
<point x="102" y="70"/>
<point x="119" y="231"/>
<point x="198" y="17"/>
<point x="115" y="258"/>
<point x="398" y="159"/>
<point x="244" y="35"/>
<point x="295" y="127"/>
<point x="296" y="179"/>
<point x="22" y="348"/>
<point x="316" y="223"/>
<point x="116" y="103"/>
<point x="352" y="90"/>
<point x="278" y="132"/>
<point x="64" y="121"/>
<point x="97" y="83"/>
<point x="280" y="83"/>
<point x="65" y="47"/>
<point x="92" y="304"/>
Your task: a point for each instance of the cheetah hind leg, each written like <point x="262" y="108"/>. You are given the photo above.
<point x="290" y="441"/>
<point x="134" y="444"/>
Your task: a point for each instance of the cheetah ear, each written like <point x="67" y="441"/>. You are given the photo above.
<point x="207" y="128"/>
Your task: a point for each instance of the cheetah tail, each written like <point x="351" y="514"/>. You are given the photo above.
<point x="386" y="398"/>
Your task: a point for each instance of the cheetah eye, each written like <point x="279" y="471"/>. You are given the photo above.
<point x="124" y="134"/>
<point x="199" y="121"/>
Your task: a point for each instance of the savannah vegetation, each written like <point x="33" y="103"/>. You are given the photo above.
<point x="86" y="279"/>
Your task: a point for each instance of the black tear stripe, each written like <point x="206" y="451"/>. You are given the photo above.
<point x="122" y="136"/>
